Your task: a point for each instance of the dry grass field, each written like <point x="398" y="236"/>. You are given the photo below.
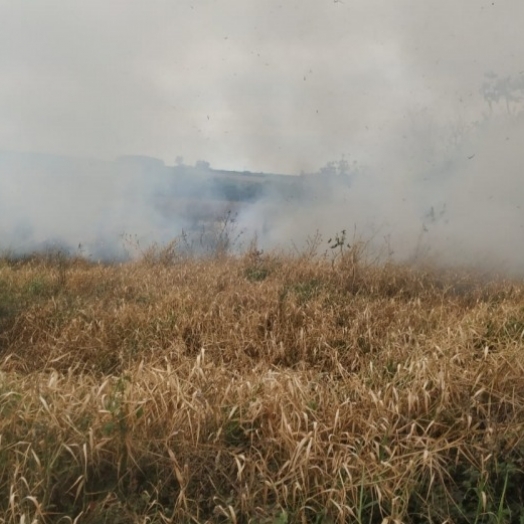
<point x="262" y="388"/>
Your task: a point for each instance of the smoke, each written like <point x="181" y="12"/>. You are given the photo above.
<point x="442" y="193"/>
<point x="81" y="206"/>
<point x="432" y="145"/>
<point x="448" y="193"/>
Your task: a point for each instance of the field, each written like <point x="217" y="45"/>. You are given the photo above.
<point x="267" y="388"/>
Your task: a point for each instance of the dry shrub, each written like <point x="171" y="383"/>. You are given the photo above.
<point x="259" y="388"/>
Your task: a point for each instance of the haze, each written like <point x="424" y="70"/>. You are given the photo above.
<point x="284" y="87"/>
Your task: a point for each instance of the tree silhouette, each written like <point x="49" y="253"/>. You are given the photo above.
<point x="509" y="89"/>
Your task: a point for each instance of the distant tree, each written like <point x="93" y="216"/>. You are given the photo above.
<point x="341" y="168"/>
<point x="509" y="89"/>
<point x="179" y="160"/>
<point x="202" y="164"/>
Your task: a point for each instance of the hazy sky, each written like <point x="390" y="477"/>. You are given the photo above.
<point x="276" y="85"/>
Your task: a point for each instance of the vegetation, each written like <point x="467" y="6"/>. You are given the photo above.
<point x="263" y="388"/>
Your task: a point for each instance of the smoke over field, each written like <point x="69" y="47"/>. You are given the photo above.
<point x="451" y="202"/>
<point x="414" y="111"/>
<point x="315" y="210"/>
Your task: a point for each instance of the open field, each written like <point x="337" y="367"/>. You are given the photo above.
<point x="264" y="388"/>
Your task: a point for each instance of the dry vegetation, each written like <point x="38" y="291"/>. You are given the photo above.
<point x="262" y="388"/>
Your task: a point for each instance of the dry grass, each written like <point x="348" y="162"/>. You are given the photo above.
<point x="263" y="389"/>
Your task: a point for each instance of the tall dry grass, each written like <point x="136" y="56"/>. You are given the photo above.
<point x="260" y="388"/>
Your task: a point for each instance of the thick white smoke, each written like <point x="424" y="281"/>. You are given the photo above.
<point x="455" y="201"/>
<point x="268" y="86"/>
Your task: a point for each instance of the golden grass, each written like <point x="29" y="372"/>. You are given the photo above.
<point x="260" y="388"/>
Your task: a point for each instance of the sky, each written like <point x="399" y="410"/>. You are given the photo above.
<point x="280" y="85"/>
